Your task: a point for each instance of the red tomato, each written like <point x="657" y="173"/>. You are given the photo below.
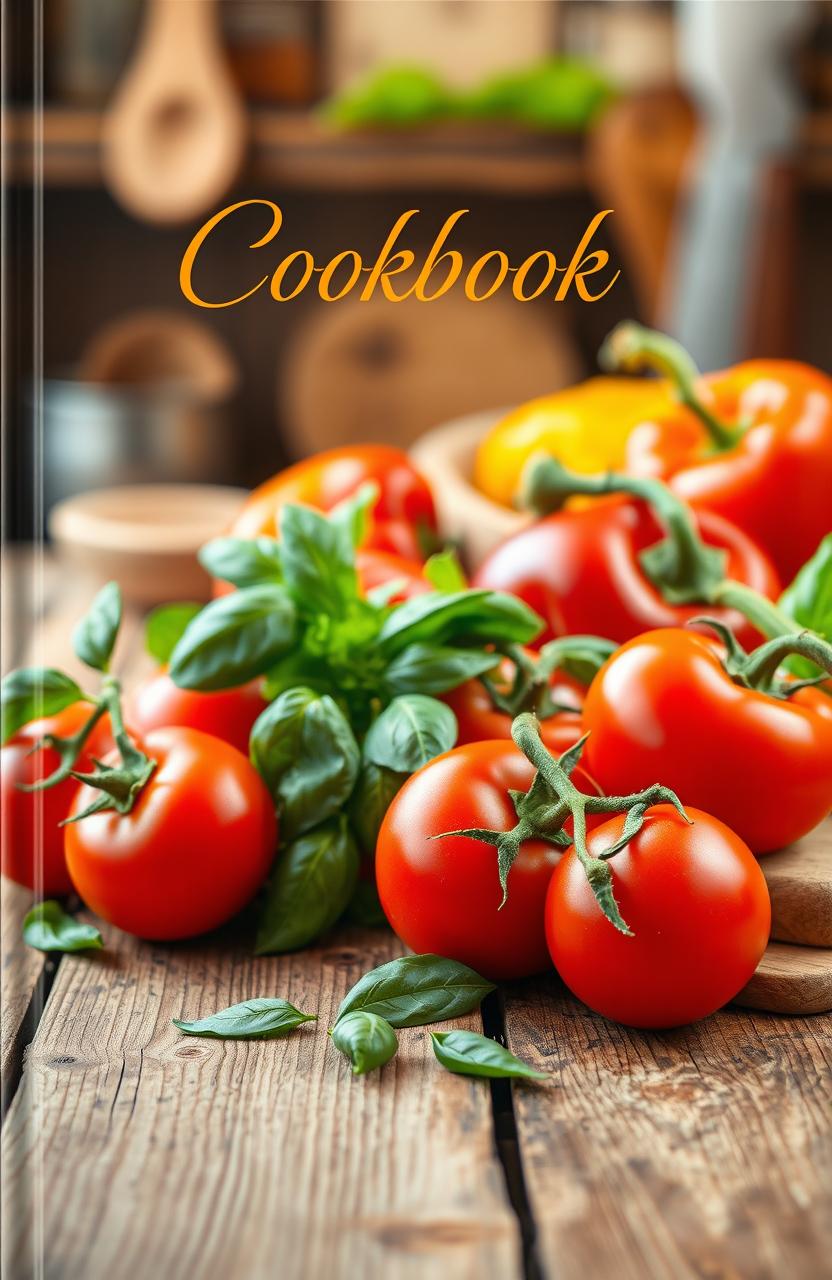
<point x="228" y="714"/>
<point x="663" y="706"/>
<point x="375" y="568"/>
<point x="579" y="570"/>
<point x="479" y="720"/>
<point x="443" y="895"/>
<point x="192" y="852"/>
<point x="404" y="505"/>
<point x="697" y="903"/>
<point x="33" y="840"/>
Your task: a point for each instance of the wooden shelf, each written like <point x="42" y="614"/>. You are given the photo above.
<point x="295" y="149"/>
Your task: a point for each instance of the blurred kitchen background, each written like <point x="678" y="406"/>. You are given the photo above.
<point x="705" y="124"/>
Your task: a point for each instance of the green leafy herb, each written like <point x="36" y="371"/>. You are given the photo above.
<point x="372" y="796"/>
<point x="235" y="639"/>
<point x="438" y="618"/>
<point x="352" y="516"/>
<point x="258" y="1019"/>
<point x="366" y="1039"/>
<point x="245" y="562"/>
<point x="165" y="627"/>
<point x="809" y="601"/>
<point x="444" y="571"/>
<point x="467" y="1053"/>
<point x="318" y="560"/>
<point x="410" y="732"/>
<point x="313" y="880"/>
<point x="415" y="990"/>
<point x="31" y="693"/>
<point x="95" y="635"/>
<point x="47" y="927"/>
<point x="429" y="668"/>
<point x="303" y="746"/>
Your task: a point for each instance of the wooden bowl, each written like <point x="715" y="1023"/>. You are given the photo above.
<point x="445" y="456"/>
<point x="144" y="536"/>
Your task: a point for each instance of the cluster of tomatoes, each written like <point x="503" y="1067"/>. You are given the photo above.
<point x="743" y="750"/>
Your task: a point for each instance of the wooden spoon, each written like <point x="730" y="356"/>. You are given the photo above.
<point x="174" y="138"/>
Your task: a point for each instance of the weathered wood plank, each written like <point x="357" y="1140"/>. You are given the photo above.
<point x="699" y="1152"/>
<point x="132" y="1151"/>
<point x="21" y="968"/>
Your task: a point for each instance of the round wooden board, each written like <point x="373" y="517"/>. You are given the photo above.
<point x="800" y="883"/>
<point x="790" y="979"/>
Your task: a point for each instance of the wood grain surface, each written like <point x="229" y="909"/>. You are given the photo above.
<point x="702" y="1152"/>
<point x="131" y="1150"/>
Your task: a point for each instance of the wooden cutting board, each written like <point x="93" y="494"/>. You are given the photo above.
<point x="795" y="974"/>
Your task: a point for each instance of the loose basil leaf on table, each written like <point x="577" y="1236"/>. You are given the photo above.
<point x="244" y="562"/>
<point x="437" y="618"/>
<point x="414" y="990"/>
<point x="374" y="792"/>
<point x="262" y="1018"/>
<point x="31" y="693"/>
<point x="305" y="750"/>
<point x="366" y="1039"/>
<point x="467" y="1053"/>
<point x="430" y="668"/>
<point x="809" y="601"/>
<point x="444" y="572"/>
<point x="95" y="635"/>
<point x="47" y="927"/>
<point x="318" y="561"/>
<point x="410" y="732"/>
<point x="165" y="627"/>
<point x="235" y="639"/>
<point x="311" y="885"/>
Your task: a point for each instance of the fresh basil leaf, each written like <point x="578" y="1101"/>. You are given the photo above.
<point x="444" y="571"/>
<point x="374" y="792"/>
<point x="809" y="601"/>
<point x="258" y="1019"/>
<point x="95" y="635"/>
<point x="235" y="639"/>
<point x="166" y="626"/>
<point x="430" y="668"/>
<point x="352" y="516"/>
<point x="318" y="561"/>
<point x="305" y="750"/>
<point x="467" y="1053"/>
<point x="47" y="927"/>
<point x="365" y="908"/>
<point x="366" y="1039"/>
<point x="437" y="618"/>
<point x="245" y="562"/>
<point x="414" y="990"/>
<point x="410" y="732"/>
<point x="313" y="880"/>
<point x="30" y="693"/>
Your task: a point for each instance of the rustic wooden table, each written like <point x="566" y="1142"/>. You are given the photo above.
<point x="131" y="1151"/>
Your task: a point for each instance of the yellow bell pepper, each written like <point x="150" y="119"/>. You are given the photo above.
<point x="585" y="427"/>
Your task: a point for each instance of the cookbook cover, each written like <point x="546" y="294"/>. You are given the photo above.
<point x="416" y="761"/>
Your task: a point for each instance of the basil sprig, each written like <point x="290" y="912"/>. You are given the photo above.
<point x="312" y="883"/>
<point x="467" y="1053"/>
<point x="32" y="693"/>
<point x="809" y="601"/>
<point x="165" y="627"/>
<point x="414" y="990"/>
<point x="258" y="1019"/>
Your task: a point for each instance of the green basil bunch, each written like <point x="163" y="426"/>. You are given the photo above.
<point x="353" y="683"/>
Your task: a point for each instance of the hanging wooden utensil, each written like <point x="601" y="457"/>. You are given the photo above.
<point x="175" y="135"/>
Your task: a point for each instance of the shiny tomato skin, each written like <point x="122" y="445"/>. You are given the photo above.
<point x="697" y="903"/>
<point x="31" y="820"/>
<point x="228" y="714"/>
<point x="443" y="895"/>
<point x="479" y="720"/>
<point x="663" y="708"/>
<point x="375" y="568"/>
<point x="579" y="570"/>
<point x="191" y="853"/>
<point x="404" y="504"/>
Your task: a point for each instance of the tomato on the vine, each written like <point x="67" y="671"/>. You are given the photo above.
<point x="698" y="907"/>
<point x="443" y="894"/>
<point x="479" y="719"/>
<point x="193" y="850"/>
<point x="33" y="840"/>
<point x="227" y="713"/>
